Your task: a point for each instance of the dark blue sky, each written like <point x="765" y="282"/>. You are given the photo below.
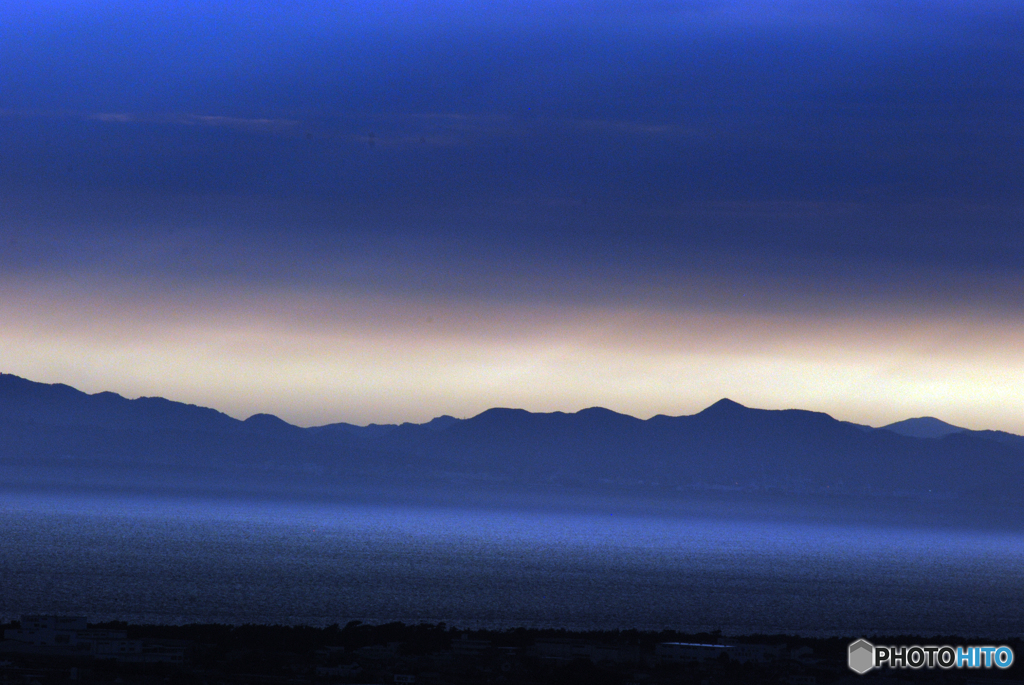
<point x="853" y="166"/>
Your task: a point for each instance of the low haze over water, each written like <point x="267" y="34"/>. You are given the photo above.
<point x="153" y="561"/>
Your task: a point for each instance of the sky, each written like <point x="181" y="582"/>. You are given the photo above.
<point x="388" y="211"/>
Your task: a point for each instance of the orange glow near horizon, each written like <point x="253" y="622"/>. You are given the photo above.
<point x="361" y="359"/>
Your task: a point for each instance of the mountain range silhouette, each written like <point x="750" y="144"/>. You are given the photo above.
<point x="55" y="436"/>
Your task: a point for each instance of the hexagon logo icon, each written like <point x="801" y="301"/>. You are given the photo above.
<point x="862" y="656"/>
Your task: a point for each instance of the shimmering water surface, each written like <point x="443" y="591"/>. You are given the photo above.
<point x="153" y="561"/>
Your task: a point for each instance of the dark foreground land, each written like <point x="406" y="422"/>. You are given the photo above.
<point x="437" y="655"/>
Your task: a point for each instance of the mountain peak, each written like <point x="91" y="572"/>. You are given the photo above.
<point x="439" y="423"/>
<point x="598" y="412"/>
<point x="724" y="405"/>
<point x="923" y="427"/>
<point x="267" y="422"/>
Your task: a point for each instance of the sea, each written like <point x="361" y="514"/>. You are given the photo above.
<point x="151" y="560"/>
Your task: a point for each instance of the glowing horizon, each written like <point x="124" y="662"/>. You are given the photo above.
<point x="313" y="360"/>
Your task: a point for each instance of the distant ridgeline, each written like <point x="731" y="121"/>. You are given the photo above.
<point x="56" y="436"/>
